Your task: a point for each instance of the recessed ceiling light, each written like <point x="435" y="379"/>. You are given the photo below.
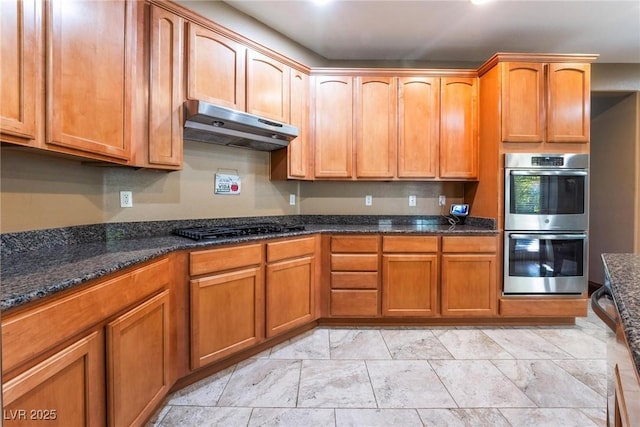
<point x="479" y="2"/>
<point x="322" y="2"/>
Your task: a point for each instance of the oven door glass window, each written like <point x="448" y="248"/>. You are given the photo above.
<point x="539" y="194"/>
<point x="531" y="256"/>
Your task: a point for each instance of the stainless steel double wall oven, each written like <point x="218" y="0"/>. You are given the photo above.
<point x="545" y="224"/>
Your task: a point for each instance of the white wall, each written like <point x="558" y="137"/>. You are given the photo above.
<point x="615" y="194"/>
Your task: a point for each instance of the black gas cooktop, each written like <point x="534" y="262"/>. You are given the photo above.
<point x="218" y="232"/>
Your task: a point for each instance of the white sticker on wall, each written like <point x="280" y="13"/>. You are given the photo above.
<point x="227" y="183"/>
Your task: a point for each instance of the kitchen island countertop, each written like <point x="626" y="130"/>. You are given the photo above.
<point x="41" y="263"/>
<point x="623" y="272"/>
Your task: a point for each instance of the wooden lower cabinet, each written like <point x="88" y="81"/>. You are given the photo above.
<point x="354" y="276"/>
<point x="66" y="389"/>
<point x="227" y="314"/>
<point x="138" y="361"/>
<point x="410" y="276"/>
<point x="290" y="284"/>
<point x="469" y="276"/>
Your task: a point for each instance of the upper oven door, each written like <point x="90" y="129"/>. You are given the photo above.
<point x="550" y="199"/>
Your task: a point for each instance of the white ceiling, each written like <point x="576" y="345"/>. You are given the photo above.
<point x="454" y="30"/>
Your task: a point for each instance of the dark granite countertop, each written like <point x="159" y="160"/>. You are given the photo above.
<point x="623" y="272"/>
<point x="37" y="264"/>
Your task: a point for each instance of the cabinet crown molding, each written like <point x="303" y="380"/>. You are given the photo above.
<point x="537" y="57"/>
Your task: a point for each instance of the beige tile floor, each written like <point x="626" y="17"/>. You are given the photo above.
<point x="441" y="376"/>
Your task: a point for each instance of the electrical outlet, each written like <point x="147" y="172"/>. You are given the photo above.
<point x="368" y="200"/>
<point x="442" y="200"/>
<point x="292" y="199"/>
<point x="126" y="199"/>
<point x="412" y="200"/>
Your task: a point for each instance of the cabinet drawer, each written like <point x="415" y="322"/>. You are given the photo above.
<point x="407" y="244"/>
<point x="466" y="244"/>
<point x="23" y="336"/>
<point x="290" y="249"/>
<point x="354" y="303"/>
<point x="354" y="262"/>
<point x="213" y="260"/>
<point x="354" y="243"/>
<point x="354" y="280"/>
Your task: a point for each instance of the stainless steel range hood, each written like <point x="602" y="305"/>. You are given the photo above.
<point x="219" y="125"/>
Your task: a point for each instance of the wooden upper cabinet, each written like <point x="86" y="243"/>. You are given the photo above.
<point x="166" y="34"/>
<point x="522" y="102"/>
<point x="459" y="128"/>
<point x="216" y="68"/>
<point x="568" y="102"/>
<point x="89" y="76"/>
<point x="267" y="87"/>
<point x="376" y="127"/>
<point x="299" y="150"/>
<point x="333" y="126"/>
<point x="419" y="126"/>
<point x="20" y="68"/>
<point x="545" y="102"/>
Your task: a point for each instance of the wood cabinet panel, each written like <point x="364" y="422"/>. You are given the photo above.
<point x="66" y="389"/>
<point x="23" y="337"/>
<point x="138" y="361"/>
<point x="20" y="70"/>
<point x="210" y="261"/>
<point x="352" y="243"/>
<point x="90" y="114"/>
<point x="277" y="251"/>
<point x="227" y="314"/>
<point x="376" y="127"/>
<point x="409" y="285"/>
<point x="354" y="302"/>
<point x="216" y="68"/>
<point x="268" y="87"/>
<point x="408" y="244"/>
<point x="466" y="244"/>
<point x="298" y="153"/>
<point x="419" y="127"/>
<point x="459" y="128"/>
<point x="558" y="307"/>
<point x="569" y="102"/>
<point x="290" y="295"/>
<point x="469" y="285"/>
<point x="354" y="280"/>
<point x="523" y="102"/>
<point x="354" y="262"/>
<point x="333" y="126"/>
<point x="165" y="87"/>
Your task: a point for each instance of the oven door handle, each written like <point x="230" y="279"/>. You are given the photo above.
<point x="549" y="173"/>
<point x="553" y="236"/>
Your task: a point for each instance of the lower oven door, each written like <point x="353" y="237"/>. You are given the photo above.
<point x="545" y="263"/>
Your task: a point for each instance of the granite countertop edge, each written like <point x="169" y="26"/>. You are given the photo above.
<point x="623" y="273"/>
<point x="27" y="275"/>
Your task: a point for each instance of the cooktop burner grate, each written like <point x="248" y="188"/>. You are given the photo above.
<point x="207" y="233"/>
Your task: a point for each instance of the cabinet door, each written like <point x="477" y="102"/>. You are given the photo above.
<point x="227" y="314"/>
<point x="522" y="102"/>
<point x="165" y="88"/>
<point x="216" y="68"/>
<point x="333" y="126"/>
<point x="20" y="32"/>
<point x="267" y="87"/>
<point x="290" y="294"/>
<point x="66" y="389"/>
<point x="419" y="124"/>
<point x="299" y="150"/>
<point x="376" y="127"/>
<point x="468" y="284"/>
<point x="139" y="361"/>
<point x="568" y="102"/>
<point x="459" y="128"/>
<point x="89" y="75"/>
<point x="409" y="285"/>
